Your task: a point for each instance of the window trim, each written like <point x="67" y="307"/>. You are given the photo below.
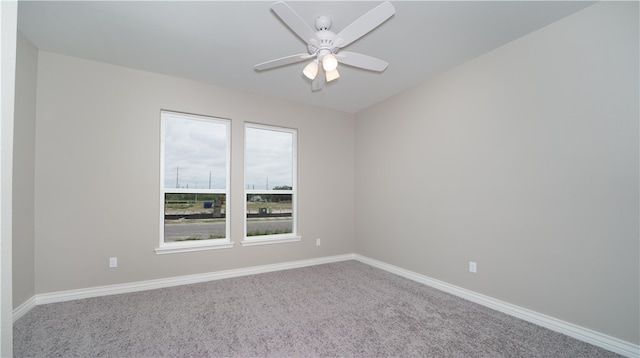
<point x="209" y="244"/>
<point x="278" y="238"/>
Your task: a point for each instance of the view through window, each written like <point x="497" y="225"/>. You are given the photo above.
<point x="195" y="179"/>
<point x="270" y="182"/>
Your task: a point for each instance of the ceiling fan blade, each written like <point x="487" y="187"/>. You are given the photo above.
<point x="282" y="61"/>
<point x="294" y="21"/>
<point x="363" y="61"/>
<point x="318" y="82"/>
<point x="365" y="23"/>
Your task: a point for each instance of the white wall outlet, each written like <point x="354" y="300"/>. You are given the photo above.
<point x="473" y="267"/>
<point x="113" y="262"/>
<point x="317" y="242"/>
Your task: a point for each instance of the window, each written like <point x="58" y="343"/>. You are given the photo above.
<point x="194" y="182"/>
<point x="270" y="184"/>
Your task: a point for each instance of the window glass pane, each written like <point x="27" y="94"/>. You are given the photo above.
<point x="268" y="159"/>
<point x="269" y="214"/>
<point x="195" y="153"/>
<point x="194" y="216"/>
<point x="195" y="161"/>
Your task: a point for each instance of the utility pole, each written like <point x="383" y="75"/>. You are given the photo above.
<point x="177" y="182"/>
<point x="209" y="179"/>
<point x="267" y="183"/>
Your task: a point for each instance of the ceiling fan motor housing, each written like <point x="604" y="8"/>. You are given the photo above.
<point x="325" y="43"/>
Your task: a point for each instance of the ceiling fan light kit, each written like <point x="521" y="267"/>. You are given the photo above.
<point x="324" y="45"/>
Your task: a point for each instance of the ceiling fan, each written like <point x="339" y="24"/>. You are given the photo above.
<point x="324" y="46"/>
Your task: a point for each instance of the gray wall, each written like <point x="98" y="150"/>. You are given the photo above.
<point x="524" y="160"/>
<point x="24" y="171"/>
<point x="97" y="175"/>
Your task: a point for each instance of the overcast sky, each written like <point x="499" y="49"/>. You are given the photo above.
<point x="193" y="151"/>
<point x="269" y="158"/>
<point x="196" y="150"/>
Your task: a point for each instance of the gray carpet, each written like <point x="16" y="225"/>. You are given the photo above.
<point x="345" y="309"/>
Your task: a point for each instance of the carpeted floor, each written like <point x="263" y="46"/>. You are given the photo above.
<point x="345" y="309"/>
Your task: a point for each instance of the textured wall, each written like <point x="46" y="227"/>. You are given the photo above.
<point x="524" y="160"/>
<point x="97" y="175"/>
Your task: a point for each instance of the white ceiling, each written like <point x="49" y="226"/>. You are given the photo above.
<point x="219" y="42"/>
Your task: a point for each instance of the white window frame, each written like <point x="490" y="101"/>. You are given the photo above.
<point x="199" y="245"/>
<point x="279" y="238"/>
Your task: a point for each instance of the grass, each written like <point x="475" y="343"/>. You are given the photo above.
<point x="268" y="232"/>
<point x="196" y="238"/>
<point x="197" y="207"/>
<point x="252" y="206"/>
<point x="250" y="233"/>
<point x="192" y="221"/>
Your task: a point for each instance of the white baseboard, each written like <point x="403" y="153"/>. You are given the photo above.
<point x="62" y="296"/>
<point x="584" y="334"/>
<point x="25" y="307"/>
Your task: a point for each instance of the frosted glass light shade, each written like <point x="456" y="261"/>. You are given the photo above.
<point x="329" y="62"/>
<point x="332" y="75"/>
<point x="311" y="70"/>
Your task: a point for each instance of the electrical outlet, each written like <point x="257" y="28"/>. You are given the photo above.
<point x="317" y="242"/>
<point x="473" y="267"/>
<point x="113" y="262"/>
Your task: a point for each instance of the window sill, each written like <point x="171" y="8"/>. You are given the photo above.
<point x="177" y="248"/>
<point x="270" y="240"/>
